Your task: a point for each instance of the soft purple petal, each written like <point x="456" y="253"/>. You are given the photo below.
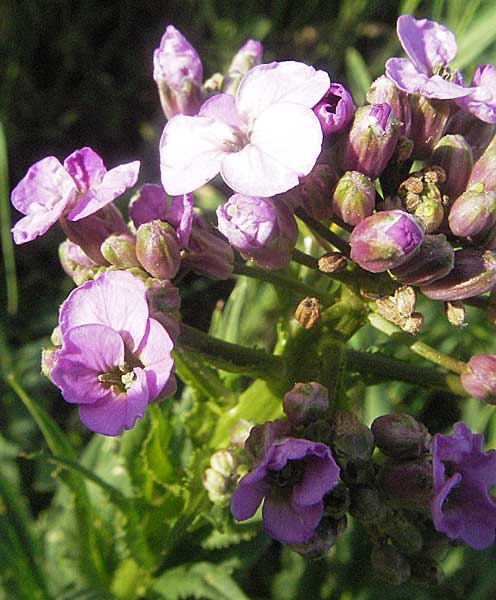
<point x="155" y="354"/>
<point x="288" y="524"/>
<point x="482" y="101"/>
<point x="191" y="151"/>
<point x="427" y="43"/>
<point x="78" y="383"/>
<point x="180" y="216"/>
<point x="111" y="417"/>
<point x="176" y="60"/>
<point x="247" y="497"/>
<point x="292" y="449"/>
<point x="115" y="182"/>
<point x="36" y="224"/>
<point x="115" y="299"/>
<point x="321" y="475"/>
<point x="151" y="204"/>
<point x="86" y="168"/>
<point x="277" y="82"/>
<point x="222" y="107"/>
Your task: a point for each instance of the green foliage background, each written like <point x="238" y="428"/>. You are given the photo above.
<point x="82" y="515"/>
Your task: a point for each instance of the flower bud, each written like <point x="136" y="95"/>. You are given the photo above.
<point x="401" y="436"/>
<point x="473" y="213"/>
<point x="263" y="436"/>
<point x="261" y="229"/>
<point x="335" y="110"/>
<point x="332" y="262"/>
<point x="371" y="140"/>
<point x="76" y="263"/>
<point x="385" y="240"/>
<point x="455" y="156"/>
<point x="352" y="446"/>
<point x="354" y="197"/>
<point x="384" y="90"/>
<point x="178" y="73"/>
<point x="315" y="192"/>
<point x="480" y="381"/>
<point x="426" y="572"/>
<point x="216" y="486"/>
<point x="247" y="57"/>
<point x="404" y="535"/>
<point x="484" y="170"/>
<point x="434" y="259"/>
<point x="367" y="505"/>
<point x="162" y="296"/>
<point x="49" y="357"/>
<point x="157" y="249"/>
<point x="477" y="133"/>
<point x="389" y="564"/>
<point x="305" y="403"/>
<point x="321" y="541"/>
<point x="208" y="253"/>
<point x="429" y="118"/>
<point x="120" y="250"/>
<point x="307" y="312"/>
<point x="239" y="433"/>
<point x="421" y="196"/>
<point x="474" y="273"/>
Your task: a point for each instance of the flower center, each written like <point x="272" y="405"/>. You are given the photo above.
<point x="120" y="378"/>
<point x="445" y="72"/>
<point x="288" y="476"/>
<point x="237" y="142"/>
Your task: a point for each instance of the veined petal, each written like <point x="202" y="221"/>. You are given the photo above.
<point x="114" y="183"/>
<point x="427" y="43"/>
<point x="289" y="524"/>
<point x="277" y="82"/>
<point x="86" y="168"/>
<point x="223" y="108"/>
<point x="155" y="354"/>
<point x="482" y="101"/>
<point x="437" y="87"/>
<point x="115" y="299"/>
<point x="290" y="134"/>
<point x="191" y="150"/>
<point x="35" y="224"/>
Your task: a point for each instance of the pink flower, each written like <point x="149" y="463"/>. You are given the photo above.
<point x="482" y="101"/>
<point x="114" y="358"/>
<point x="261" y="141"/>
<point x="79" y="188"/>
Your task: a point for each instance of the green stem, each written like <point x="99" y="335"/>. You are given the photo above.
<point x="232" y="357"/>
<point x="285" y="282"/>
<point x="386" y="368"/>
<point x="420" y="348"/>
<point x="321" y="231"/>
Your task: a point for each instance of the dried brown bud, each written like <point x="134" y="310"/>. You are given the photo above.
<point x="308" y="312"/>
<point x="332" y="262"/>
<point x="455" y="312"/>
<point x="399" y="309"/>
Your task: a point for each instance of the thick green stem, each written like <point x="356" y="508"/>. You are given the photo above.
<point x="232" y="357"/>
<point x="285" y="282"/>
<point x="420" y="348"/>
<point x="387" y="369"/>
<point x="321" y="231"/>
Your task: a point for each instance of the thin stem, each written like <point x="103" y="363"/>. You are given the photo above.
<point x="420" y="348"/>
<point x="387" y="369"/>
<point x="321" y="230"/>
<point x="311" y="263"/>
<point x="232" y="357"/>
<point x="284" y="281"/>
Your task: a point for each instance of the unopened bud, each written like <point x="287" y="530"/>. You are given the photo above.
<point x="223" y="462"/>
<point x="157" y="249"/>
<point x="484" y="170"/>
<point x="351" y="440"/>
<point x="247" y="57"/>
<point x="434" y="259"/>
<point x="332" y="262"/>
<point x="390" y="565"/>
<point x="315" y="191"/>
<point x="335" y="110"/>
<point x="49" y="357"/>
<point x="308" y="312"/>
<point x="455" y="156"/>
<point x="401" y="436"/>
<point x="477" y="133"/>
<point x="306" y="402"/>
<point x="120" y="251"/>
<point x="320" y="543"/>
<point x="384" y="90"/>
<point x="480" y="380"/>
<point x="405" y="535"/>
<point x="76" y="263"/>
<point x="473" y="213"/>
<point x="354" y="197"/>
<point x="162" y="296"/>
<point x="429" y="119"/>
<point x="408" y="484"/>
<point x="216" y="486"/>
<point x="367" y="505"/>
<point x="263" y="436"/>
<point x="455" y="312"/>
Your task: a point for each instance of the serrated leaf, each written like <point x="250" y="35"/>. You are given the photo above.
<point x="201" y="580"/>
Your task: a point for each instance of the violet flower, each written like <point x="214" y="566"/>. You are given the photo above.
<point x="293" y="477"/>
<point x="430" y="47"/>
<point x="114" y="358"/>
<point x="335" y="110"/>
<point x="462" y="507"/>
<point x="261" y="141"/>
<point x="79" y="188"/>
<point x="482" y="101"/>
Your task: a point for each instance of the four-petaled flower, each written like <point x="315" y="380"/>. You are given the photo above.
<point x="462" y="507"/>
<point x="79" y="188"/>
<point x="114" y="358"/>
<point x="293" y="477"/>
<point x="261" y="141"/>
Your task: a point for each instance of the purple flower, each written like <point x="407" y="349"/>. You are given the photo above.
<point x="430" y="47"/>
<point x="482" y="101"/>
<point x="462" y="507"/>
<point x="261" y="141"/>
<point x="79" y="188"/>
<point x="152" y="204"/>
<point x="114" y="358"/>
<point x="480" y="381"/>
<point x="335" y="110"/>
<point x="261" y="229"/>
<point x="293" y="477"/>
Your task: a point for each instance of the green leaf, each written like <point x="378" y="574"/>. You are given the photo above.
<point x="201" y="580"/>
<point x="357" y="74"/>
<point x="477" y="38"/>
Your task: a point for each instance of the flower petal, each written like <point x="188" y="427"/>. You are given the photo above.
<point x="247" y="497"/>
<point x="150" y="204"/>
<point x="285" y="523"/>
<point x="321" y="474"/>
<point x="427" y="43"/>
<point x="482" y="101"/>
<point x="155" y="354"/>
<point x="180" y="215"/>
<point x="115" y="299"/>
<point x="191" y="150"/>
<point x="31" y="226"/>
<point x="278" y="82"/>
<point x="222" y="107"/>
<point x="86" y="168"/>
<point x="114" y="183"/>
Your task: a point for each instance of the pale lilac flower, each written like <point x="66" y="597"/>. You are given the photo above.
<point x="114" y="359"/>
<point x="293" y="477"/>
<point x="482" y="101"/>
<point x="430" y="47"/>
<point x="261" y="141"/>
<point x="335" y="110"/>
<point x="462" y="507"/>
<point x="152" y="204"/>
<point x="480" y="381"/>
<point x="79" y="188"/>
